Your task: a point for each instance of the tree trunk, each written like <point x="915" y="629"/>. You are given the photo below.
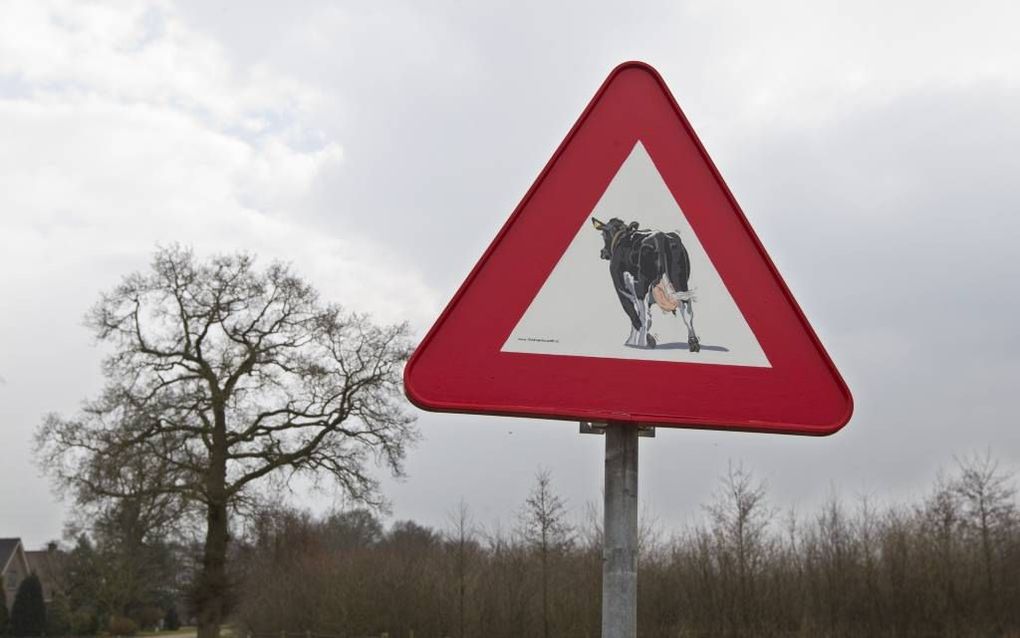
<point x="213" y="586"/>
<point x="545" y="588"/>
<point x="461" y="587"/>
<point x="213" y="590"/>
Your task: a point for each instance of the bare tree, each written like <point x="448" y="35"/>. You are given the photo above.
<point x="989" y="507"/>
<point x="942" y="517"/>
<point x="545" y="528"/>
<point x="461" y="536"/>
<point x="221" y="376"/>
<point x="740" y="518"/>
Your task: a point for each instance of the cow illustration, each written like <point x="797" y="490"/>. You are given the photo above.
<point x="648" y="267"/>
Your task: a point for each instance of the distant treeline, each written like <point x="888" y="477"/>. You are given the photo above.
<point x="948" y="565"/>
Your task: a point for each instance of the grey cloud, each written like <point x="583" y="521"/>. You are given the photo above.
<point x="880" y="174"/>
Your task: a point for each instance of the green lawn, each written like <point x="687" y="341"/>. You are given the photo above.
<point x="183" y="631"/>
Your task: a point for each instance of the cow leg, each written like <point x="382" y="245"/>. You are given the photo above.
<point x="642" y="318"/>
<point x="642" y="299"/>
<point x="632" y="340"/>
<point x="635" y="320"/>
<point x="646" y="317"/>
<point x="630" y="305"/>
<point x="645" y="339"/>
<point x="649" y="302"/>
<point x="687" y="314"/>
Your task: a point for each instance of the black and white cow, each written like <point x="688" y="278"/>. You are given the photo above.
<point x="643" y="264"/>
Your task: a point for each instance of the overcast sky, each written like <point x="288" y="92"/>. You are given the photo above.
<point x="379" y="146"/>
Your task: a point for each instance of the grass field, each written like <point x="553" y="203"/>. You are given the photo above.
<point x="183" y="631"/>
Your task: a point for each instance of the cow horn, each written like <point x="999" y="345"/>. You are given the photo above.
<point x="598" y="225"/>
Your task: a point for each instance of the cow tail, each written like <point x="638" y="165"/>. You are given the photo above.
<point x="680" y="264"/>
<point x="662" y="250"/>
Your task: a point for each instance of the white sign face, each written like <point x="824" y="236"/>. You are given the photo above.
<point x="635" y="283"/>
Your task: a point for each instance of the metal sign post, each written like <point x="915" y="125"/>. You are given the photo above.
<point x="620" y="527"/>
<point x="619" y="554"/>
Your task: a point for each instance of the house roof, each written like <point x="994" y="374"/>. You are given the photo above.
<point x="7" y="548"/>
<point x="48" y="565"/>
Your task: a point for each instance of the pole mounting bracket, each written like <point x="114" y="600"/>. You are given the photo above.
<point x="599" y="427"/>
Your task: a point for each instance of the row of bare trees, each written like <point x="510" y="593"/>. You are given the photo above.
<point x="948" y="565"/>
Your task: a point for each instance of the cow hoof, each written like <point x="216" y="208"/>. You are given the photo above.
<point x="694" y="345"/>
<point x="651" y="341"/>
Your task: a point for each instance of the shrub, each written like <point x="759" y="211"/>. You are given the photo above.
<point x="172" y="621"/>
<point x="58" y="617"/>
<point x="3" y="611"/>
<point x="149" y="617"/>
<point x="28" y="614"/>
<point x="121" y="626"/>
<point x="84" y="622"/>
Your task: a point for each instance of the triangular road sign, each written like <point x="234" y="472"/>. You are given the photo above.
<point x="628" y="286"/>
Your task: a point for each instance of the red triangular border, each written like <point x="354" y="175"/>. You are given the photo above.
<point x="459" y="365"/>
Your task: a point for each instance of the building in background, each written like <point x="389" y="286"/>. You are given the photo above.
<point x="48" y="565"/>
<point x="16" y="564"/>
<point x="14" y="567"/>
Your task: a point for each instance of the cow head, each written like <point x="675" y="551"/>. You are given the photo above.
<point x="611" y="232"/>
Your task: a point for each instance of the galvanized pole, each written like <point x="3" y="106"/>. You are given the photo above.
<point x="620" y="533"/>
